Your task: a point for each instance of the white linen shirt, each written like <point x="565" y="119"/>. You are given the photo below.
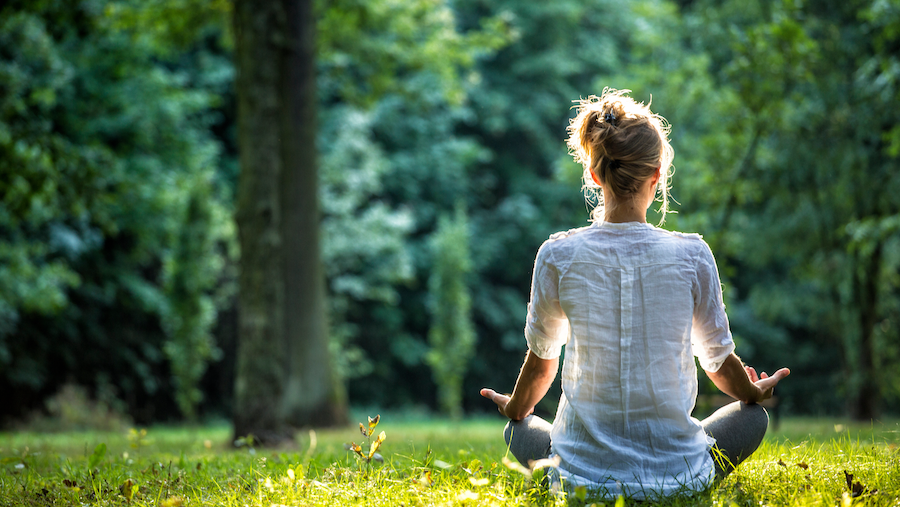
<point x="633" y="304"/>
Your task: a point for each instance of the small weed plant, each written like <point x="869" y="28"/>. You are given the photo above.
<point x="372" y="452"/>
<point x="429" y="463"/>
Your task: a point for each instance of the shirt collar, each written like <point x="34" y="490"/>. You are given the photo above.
<point x="623" y="226"/>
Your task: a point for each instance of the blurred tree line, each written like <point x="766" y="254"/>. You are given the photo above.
<point x="440" y="123"/>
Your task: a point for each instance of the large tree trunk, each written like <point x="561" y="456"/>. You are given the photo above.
<point x="312" y="394"/>
<point x="284" y="376"/>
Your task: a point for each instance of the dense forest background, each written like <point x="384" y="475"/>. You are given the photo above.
<point x="442" y="158"/>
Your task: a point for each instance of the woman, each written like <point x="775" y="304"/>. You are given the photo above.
<point x="633" y="304"/>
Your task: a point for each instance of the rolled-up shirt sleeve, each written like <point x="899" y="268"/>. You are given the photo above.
<point x="710" y="334"/>
<point x="546" y="325"/>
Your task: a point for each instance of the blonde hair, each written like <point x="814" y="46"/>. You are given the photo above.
<point x="624" y="144"/>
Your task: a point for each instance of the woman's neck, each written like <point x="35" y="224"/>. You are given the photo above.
<point x="628" y="210"/>
<point x="618" y="215"/>
<point x="632" y="208"/>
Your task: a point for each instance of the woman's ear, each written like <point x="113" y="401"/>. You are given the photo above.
<point x="594" y="177"/>
<point x="657" y="176"/>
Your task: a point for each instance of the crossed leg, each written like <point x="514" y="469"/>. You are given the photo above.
<point x="528" y="439"/>
<point x="737" y="427"/>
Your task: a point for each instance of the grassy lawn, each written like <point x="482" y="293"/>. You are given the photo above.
<point x="427" y="461"/>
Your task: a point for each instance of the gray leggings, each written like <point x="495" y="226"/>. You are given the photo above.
<point x="737" y="427"/>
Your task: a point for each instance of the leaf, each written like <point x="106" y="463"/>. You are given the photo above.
<point x="128" y="489"/>
<point x="856" y="488"/>
<point x="352" y="446"/>
<point x="373" y="423"/>
<point x="802" y="465"/>
<point x="97" y="456"/>
<point x="580" y="493"/>
<point x="442" y="464"/>
<point x="363" y="430"/>
<point x="376" y="444"/>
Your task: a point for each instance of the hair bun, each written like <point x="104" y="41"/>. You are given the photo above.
<point x="621" y="144"/>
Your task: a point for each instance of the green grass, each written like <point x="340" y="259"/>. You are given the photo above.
<point x="426" y="462"/>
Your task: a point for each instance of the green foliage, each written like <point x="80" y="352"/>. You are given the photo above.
<point x="392" y="77"/>
<point x="813" y="175"/>
<point x="370" y="49"/>
<point x="35" y="275"/>
<point x="452" y="336"/>
<point x="363" y="237"/>
<point x="101" y="149"/>
<point x="170" y="27"/>
<point x="194" y="270"/>
<point x="117" y="172"/>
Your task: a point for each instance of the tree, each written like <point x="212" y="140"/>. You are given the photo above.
<point x="284" y="372"/>
<point x="452" y="336"/>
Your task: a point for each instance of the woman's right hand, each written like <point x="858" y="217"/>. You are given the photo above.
<point x="742" y="383"/>
<point x="764" y="382"/>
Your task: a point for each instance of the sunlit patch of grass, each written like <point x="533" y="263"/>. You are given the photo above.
<point x="815" y="473"/>
<point x="426" y="462"/>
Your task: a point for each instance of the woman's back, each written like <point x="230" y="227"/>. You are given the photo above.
<point x="630" y="294"/>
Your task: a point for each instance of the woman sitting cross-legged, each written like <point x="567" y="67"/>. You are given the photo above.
<point x="633" y="304"/>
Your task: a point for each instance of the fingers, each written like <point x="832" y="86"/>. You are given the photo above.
<point x="767" y="382"/>
<point x="500" y="399"/>
<point x="780" y="374"/>
<point x="777" y="376"/>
